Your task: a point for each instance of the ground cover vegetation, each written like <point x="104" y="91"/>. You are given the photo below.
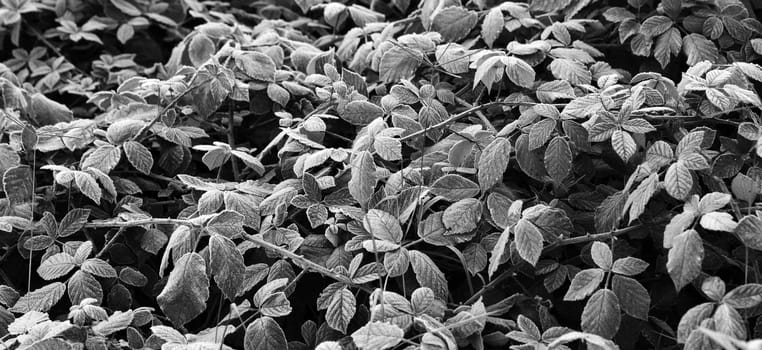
<point x="404" y="174"/>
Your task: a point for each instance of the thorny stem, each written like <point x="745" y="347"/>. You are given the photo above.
<point x="508" y="273"/>
<point x="465" y="113"/>
<point x="170" y="105"/>
<point x="478" y="113"/>
<point x="111" y="241"/>
<point x="298" y="259"/>
<point x="50" y="45"/>
<point x="304" y="262"/>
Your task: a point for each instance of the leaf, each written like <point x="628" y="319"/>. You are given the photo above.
<point x="73" y="222"/>
<point x="667" y="45"/>
<point x="655" y="25"/>
<point x="99" y="268"/>
<point x="748" y="231"/>
<point x="558" y="159"/>
<point x="453" y="57"/>
<point x="691" y="320"/>
<point x="104" y="158"/>
<point x="226" y="265"/>
<point x="139" y="156"/>
<point x="17" y="184"/>
<point x="126" y="7"/>
<point x="388" y="148"/>
<point x="540" y="132"/>
<point x="118" y="321"/>
<point x="50" y="344"/>
<point x="454" y="187"/>
<point x="87" y="185"/>
<point x="341" y="309"/>
<point x="168" y="334"/>
<point x="623" y="144"/>
<point x="363" y="181"/>
<point x="571" y="71"/>
<point x="475" y="257"/>
<point x="633" y="297"/>
<point x="718" y="221"/>
<point x="462" y="216"/>
<point x="200" y="49"/>
<point x="228" y="223"/>
<point x="639" y="198"/>
<point x="518" y="71"/>
<point x="601" y="254"/>
<point x="264" y="334"/>
<point x="629" y="266"/>
<point x="601" y="314"/>
<point x="492" y="25"/>
<point x="187" y="290"/>
<point x="454" y="23"/>
<point x="685" y="257"/>
<point x="255" y="65"/>
<point x="728" y="321"/>
<point x="678" y="181"/>
<point x="398" y="63"/>
<point x="361" y="112"/>
<point x="382" y="225"/>
<point x="56" y="266"/>
<point x="528" y="241"/>
<point x="584" y="283"/>
<point x="377" y="336"/>
<point x="493" y="161"/>
<point x="744" y="296"/>
<point x="41" y="299"/>
<point x="698" y="48"/>
<point x="553" y="90"/>
<point x="83" y="285"/>
<point x="428" y="274"/>
<point x="610" y="212"/>
<point x="592" y="339"/>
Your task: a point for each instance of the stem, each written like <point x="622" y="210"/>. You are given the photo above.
<point x="166" y="108"/>
<point x="111" y="241"/>
<point x="231" y="141"/>
<point x="465" y="113"/>
<point x="50" y="45"/>
<point x="478" y="113"/>
<point x="151" y="221"/>
<point x="590" y="238"/>
<point x="303" y="262"/>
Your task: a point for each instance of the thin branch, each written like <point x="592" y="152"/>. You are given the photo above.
<point x="510" y="271"/>
<point x="298" y="259"/>
<point x="590" y="238"/>
<point x="111" y="241"/>
<point x="50" y="45"/>
<point x="465" y="113"/>
<point x="143" y="222"/>
<point x="304" y="262"/>
<point x="478" y="113"/>
<point x="170" y="105"/>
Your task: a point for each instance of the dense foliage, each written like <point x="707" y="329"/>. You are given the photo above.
<point x="431" y="174"/>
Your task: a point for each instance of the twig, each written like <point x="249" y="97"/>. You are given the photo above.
<point x="590" y="238"/>
<point x="464" y="114"/>
<point x="111" y="241"/>
<point x="143" y="222"/>
<point x="50" y="45"/>
<point x="508" y="273"/>
<point x="304" y="262"/>
<point x="171" y="104"/>
<point x="478" y="113"/>
<point x="300" y="260"/>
